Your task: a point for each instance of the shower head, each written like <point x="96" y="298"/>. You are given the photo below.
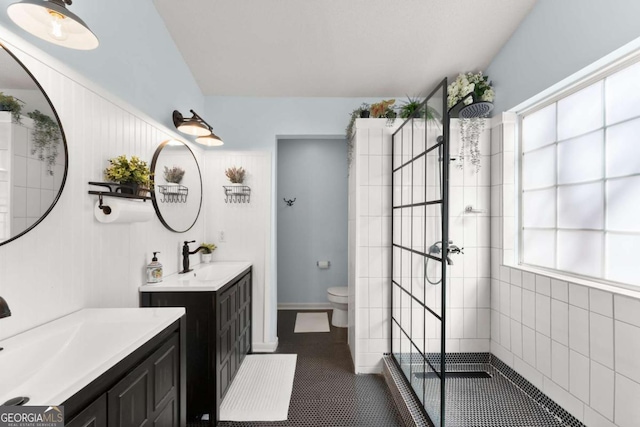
<point x="476" y="109"/>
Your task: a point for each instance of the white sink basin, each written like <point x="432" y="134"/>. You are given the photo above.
<point x="52" y="362"/>
<point x="204" y="277"/>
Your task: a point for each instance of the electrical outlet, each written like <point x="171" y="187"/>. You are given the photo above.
<point x="221" y="236"/>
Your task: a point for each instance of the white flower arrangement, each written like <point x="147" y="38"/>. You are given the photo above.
<point x="467" y="83"/>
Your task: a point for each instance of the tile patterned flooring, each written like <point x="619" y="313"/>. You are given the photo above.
<point x="326" y="392"/>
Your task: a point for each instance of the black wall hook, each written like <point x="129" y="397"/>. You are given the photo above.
<point x="289" y="202"/>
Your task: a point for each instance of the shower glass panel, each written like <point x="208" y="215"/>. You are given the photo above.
<point x="420" y="150"/>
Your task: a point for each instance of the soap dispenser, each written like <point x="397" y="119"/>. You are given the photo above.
<point x="154" y="270"/>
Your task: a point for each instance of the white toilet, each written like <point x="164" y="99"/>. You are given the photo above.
<point x="339" y="299"/>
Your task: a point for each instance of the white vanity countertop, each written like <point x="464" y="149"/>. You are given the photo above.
<point x="54" y="361"/>
<point x="203" y="278"/>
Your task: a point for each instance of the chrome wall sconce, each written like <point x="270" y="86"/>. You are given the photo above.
<point x="196" y="126"/>
<point x="50" y="20"/>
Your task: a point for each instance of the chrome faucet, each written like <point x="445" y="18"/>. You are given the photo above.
<point x="185" y="256"/>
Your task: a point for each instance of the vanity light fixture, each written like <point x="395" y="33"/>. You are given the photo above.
<point x="211" y="140"/>
<point x="50" y="20"/>
<point x="4" y="308"/>
<point x="196" y="126"/>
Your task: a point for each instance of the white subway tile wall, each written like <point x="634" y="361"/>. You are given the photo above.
<point x="579" y="345"/>
<point x="469" y="291"/>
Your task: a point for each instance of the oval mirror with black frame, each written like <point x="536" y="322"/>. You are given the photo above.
<point x="177" y="186"/>
<point x="33" y="150"/>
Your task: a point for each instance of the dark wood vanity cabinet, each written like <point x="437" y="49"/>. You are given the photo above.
<point x="218" y="339"/>
<point x="147" y="388"/>
<point x="148" y="395"/>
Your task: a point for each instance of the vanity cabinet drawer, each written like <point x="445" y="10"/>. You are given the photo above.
<point x="95" y="415"/>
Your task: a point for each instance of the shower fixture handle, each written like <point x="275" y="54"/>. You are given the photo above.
<point x="453" y="249"/>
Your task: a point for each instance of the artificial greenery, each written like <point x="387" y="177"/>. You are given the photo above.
<point x="208" y="248"/>
<point x="10" y="103"/>
<point x="411" y="105"/>
<point x="125" y="171"/>
<point x="235" y="174"/>
<point x="466" y="83"/>
<point x="46" y="138"/>
<point x="173" y="175"/>
<point x="355" y="114"/>
<point x="384" y="110"/>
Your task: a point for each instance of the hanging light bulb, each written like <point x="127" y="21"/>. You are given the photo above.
<point x="57" y="31"/>
<point x="50" y="20"/>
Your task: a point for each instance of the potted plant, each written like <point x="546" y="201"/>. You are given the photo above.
<point x="46" y="138"/>
<point x="361" y="112"/>
<point x="207" y="252"/>
<point x="384" y="110"/>
<point x="411" y="105"/>
<point x="470" y="88"/>
<point x="173" y="175"/>
<point x="13" y="104"/>
<point x="132" y="174"/>
<point x="235" y="174"/>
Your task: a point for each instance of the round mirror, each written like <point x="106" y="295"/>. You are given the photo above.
<point x="33" y="150"/>
<point x="177" y="186"/>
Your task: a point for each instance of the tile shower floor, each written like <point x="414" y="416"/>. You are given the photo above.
<point x="326" y="392"/>
<point x="504" y="399"/>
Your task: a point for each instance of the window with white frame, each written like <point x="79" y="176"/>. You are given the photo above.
<point x="580" y="180"/>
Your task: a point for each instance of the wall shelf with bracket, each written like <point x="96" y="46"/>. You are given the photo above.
<point x="131" y="209"/>
<point x="173" y="193"/>
<point x="237" y="193"/>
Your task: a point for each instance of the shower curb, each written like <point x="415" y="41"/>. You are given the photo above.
<point x="406" y="402"/>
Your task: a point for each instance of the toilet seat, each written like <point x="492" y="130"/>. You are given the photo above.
<point x="338" y="294"/>
<point x="339" y="291"/>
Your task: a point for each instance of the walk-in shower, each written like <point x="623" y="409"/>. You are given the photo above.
<point x="455" y="386"/>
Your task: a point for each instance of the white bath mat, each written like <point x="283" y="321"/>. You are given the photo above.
<point x="311" y="322"/>
<point x="261" y="390"/>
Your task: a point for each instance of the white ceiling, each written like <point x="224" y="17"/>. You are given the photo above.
<point x="346" y="48"/>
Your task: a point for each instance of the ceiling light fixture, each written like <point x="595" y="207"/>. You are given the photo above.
<point x="52" y="21"/>
<point x="196" y="126"/>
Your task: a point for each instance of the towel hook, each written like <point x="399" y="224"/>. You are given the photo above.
<point x="289" y="202"/>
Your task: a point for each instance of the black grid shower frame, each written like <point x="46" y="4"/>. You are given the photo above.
<point x="443" y="145"/>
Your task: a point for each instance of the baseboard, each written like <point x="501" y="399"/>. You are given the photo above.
<point x="264" y="347"/>
<point x="304" y="306"/>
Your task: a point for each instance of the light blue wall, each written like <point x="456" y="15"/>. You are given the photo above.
<point x="251" y="123"/>
<point x="314" y="172"/>
<point x="137" y="59"/>
<point x="557" y="39"/>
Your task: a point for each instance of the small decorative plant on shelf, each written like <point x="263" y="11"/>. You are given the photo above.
<point x="133" y="174"/>
<point x="46" y="138"/>
<point x="13" y="104"/>
<point x="470" y="97"/>
<point x="362" y="112"/>
<point x="207" y="252"/>
<point x="173" y="175"/>
<point x="236" y="175"/>
<point x="384" y="110"/>
<point x="411" y="105"/>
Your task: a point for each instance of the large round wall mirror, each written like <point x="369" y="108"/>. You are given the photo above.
<point x="33" y="150"/>
<point x="177" y="186"/>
